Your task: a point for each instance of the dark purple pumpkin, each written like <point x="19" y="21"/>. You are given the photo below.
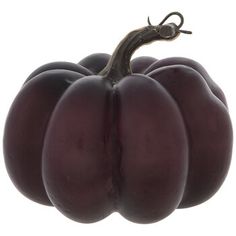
<point x="141" y="138"/>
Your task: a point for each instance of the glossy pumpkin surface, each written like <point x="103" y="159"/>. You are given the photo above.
<point x="142" y="138"/>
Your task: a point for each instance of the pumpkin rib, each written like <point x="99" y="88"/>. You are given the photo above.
<point x="187" y="132"/>
<point x="142" y="199"/>
<point x="216" y="90"/>
<point x="198" y="192"/>
<point x="39" y="95"/>
<point x="69" y="66"/>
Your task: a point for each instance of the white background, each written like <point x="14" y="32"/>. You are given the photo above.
<point x="33" y="33"/>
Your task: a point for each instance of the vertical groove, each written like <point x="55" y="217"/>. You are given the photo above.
<point x="114" y="147"/>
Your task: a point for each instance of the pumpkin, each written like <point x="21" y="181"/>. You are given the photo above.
<point x="140" y="137"/>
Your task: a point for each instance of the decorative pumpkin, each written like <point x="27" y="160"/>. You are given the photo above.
<point x="142" y="138"/>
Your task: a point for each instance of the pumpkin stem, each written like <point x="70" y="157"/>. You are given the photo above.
<point x="119" y="64"/>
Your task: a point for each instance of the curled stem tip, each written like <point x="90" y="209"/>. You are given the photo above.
<point x="177" y="27"/>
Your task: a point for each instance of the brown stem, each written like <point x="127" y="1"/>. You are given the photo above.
<point x="119" y="63"/>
